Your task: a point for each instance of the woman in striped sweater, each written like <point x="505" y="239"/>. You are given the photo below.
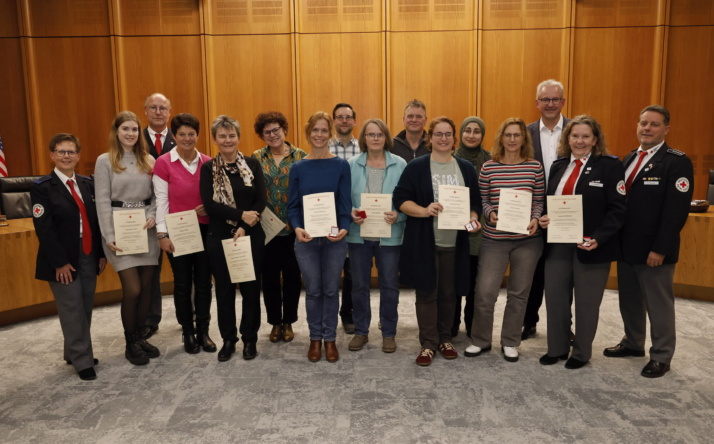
<point x="512" y="167"/>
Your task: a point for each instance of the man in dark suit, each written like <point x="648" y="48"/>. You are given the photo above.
<point x="545" y="133"/>
<point x="70" y="255"/>
<point x="659" y="183"/>
<point x="160" y="141"/>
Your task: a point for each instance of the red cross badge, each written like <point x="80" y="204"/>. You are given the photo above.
<point x="682" y="184"/>
<point x="621" y="187"/>
<point x="38" y="210"/>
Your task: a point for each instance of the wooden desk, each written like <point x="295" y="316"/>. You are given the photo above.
<point x="18" y="287"/>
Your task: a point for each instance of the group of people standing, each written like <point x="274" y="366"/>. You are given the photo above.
<point x="161" y="171"/>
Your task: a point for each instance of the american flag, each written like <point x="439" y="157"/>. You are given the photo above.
<point x="3" y="165"/>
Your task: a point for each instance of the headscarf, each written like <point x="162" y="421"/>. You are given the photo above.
<point x="476" y="156"/>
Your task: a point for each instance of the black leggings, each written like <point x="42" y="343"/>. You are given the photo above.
<point x="136" y="300"/>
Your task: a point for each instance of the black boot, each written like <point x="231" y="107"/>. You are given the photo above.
<point x="204" y="340"/>
<point x="150" y="350"/>
<point x="189" y="341"/>
<point x="134" y="353"/>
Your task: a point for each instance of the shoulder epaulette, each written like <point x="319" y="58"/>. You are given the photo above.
<point x="612" y="156"/>
<point x="85" y="177"/>
<point x="675" y="152"/>
<point x="43" y="179"/>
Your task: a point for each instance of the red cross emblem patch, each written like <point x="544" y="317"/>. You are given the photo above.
<point x="682" y="184"/>
<point x="37" y="210"/>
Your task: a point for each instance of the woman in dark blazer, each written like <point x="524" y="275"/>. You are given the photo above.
<point x="583" y="168"/>
<point x="233" y="193"/>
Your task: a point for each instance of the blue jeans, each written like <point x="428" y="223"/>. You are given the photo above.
<point x="321" y="263"/>
<point x="388" y="267"/>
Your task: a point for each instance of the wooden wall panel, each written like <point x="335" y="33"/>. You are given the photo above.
<point x="71" y="90"/>
<point x="615" y="13"/>
<point x="248" y="17"/>
<point x="334" y="68"/>
<point x="614" y="74"/>
<point x="525" y="14"/>
<point x="512" y="64"/>
<point x="440" y="74"/>
<point x="157" y="17"/>
<point x="432" y="15"/>
<point x="689" y="96"/>
<point x="14" y="125"/>
<point x="170" y="65"/>
<point x="243" y="82"/>
<point x="9" y="19"/>
<point x="691" y="12"/>
<point x="62" y="18"/>
<point x="330" y="16"/>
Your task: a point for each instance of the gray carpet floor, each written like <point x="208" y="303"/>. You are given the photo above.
<point x="367" y="397"/>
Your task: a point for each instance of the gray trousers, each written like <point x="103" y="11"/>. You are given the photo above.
<point x="648" y="291"/>
<point x="435" y="308"/>
<point x="562" y="268"/>
<point x="74" y="306"/>
<point x="493" y="258"/>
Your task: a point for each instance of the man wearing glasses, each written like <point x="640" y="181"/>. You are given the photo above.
<point x="411" y="142"/>
<point x="159" y="140"/>
<point x="345" y="145"/>
<point x="545" y="133"/>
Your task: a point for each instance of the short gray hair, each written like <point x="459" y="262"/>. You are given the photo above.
<point x="549" y="82"/>
<point x="225" y="122"/>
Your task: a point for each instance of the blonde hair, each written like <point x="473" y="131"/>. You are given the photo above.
<point x="144" y="162"/>
<point x="600" y="147"/>
<point x="320" y="115"/>
<point x="526" y="147"/>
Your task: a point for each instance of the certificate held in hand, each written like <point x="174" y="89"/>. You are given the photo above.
<point x="184" y="232"/>
<point x="375" y="205"/>
<point x="239" y="259"/>
<point x="271" y="224"/>
<point x="566" y="219"/>
<point x="129" y="231"/>
<point x="319" y="213"/>
<point x="514" y="211"/>
<point x="456" y="202"/>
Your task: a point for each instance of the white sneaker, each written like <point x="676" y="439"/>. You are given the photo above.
<point x="473" y="351"/>
<point x="510" y="354"/>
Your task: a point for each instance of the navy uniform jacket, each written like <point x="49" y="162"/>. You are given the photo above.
<point x="169" y="143"/>
<point x="602" y="185"/>
<point x="657" y="206"/>
<point x="56" y="219"/>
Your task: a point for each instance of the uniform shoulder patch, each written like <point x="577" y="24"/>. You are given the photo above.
<point x="621" y="187"/>
<point x="43" y="179"/>
<point x="675" y="152"/>
<point x="37" y="210"/>
<point x="682" y="184"/>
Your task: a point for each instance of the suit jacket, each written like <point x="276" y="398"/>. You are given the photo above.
<point x="169" y="143"/>
<point x="657" y="206"/>
<point x="534" y="129"/>
<point x="602" y="186"/>
<point x="57" y="220"/>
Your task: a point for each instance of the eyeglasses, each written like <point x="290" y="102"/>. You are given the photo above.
<point x="553" y="100"/>
<point x="161" y="109"/>
<point x="374" y="135"/>
<point x="63" y="153"/>
<point x="512" y="135"/>
<point x="345" y="118"/>
<point x="275" y="131"/>
<point x="442" y="135"/>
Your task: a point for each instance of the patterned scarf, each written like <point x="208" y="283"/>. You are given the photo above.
<point x="222" y="189"/>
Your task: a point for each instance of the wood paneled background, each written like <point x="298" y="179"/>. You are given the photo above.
<point x="70" y="65"/>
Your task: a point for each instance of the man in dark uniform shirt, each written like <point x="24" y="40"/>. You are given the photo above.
<point x="70" y="255"/>
<point x="659" y="184"/>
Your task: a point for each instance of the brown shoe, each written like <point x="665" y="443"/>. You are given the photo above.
<point x="357" y="342"/>
<point x="389" y="345"/>
<point x="448" y="351"/>
<point x="425" y="356"/>
<point x="331" y="353"/>
<point x="275" y="333"/>
<point x="314" y="353"/>
<point x="288" y="334"/>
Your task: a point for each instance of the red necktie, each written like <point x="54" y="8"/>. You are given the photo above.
<point x="570" y="183"/>
<point x="86" y="229"/>
<point x="157" y="144"/>
<point x="628" y="184"/>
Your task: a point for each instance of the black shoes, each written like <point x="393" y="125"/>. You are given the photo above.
<point x="620" y="351"/>
<point x="150" y="350"/>
<point x="249" y="351"/>
<point x="190" y="345"/>
<point x="573" y="364"/>
<point x="204" y="340"/>
<point x="96" y="361"/>
<point x="88" y="374"/>
<point x="550" y="360"/>
<point x="229" y="347"/>
<point x="655" y="369"/>
<point x="528" y="331"/>
<point x="134" y="353"/>
<point x="148" y="331"/>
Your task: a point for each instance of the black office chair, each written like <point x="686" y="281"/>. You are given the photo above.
<point x="15" y="196"/>
<point x="710" y="191"/>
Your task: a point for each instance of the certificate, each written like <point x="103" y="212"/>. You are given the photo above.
<point x="514" y="211"/>
<point x="566" y="219"/>
<point x="129" y="232"/>
<point x="319" y="213"/>
<point x="239" y="259"/>
<point x="375" y="205"/>
<point x="184" y="232"/>
<point x="272" y="225"/>
<point x="457" y="209"/>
